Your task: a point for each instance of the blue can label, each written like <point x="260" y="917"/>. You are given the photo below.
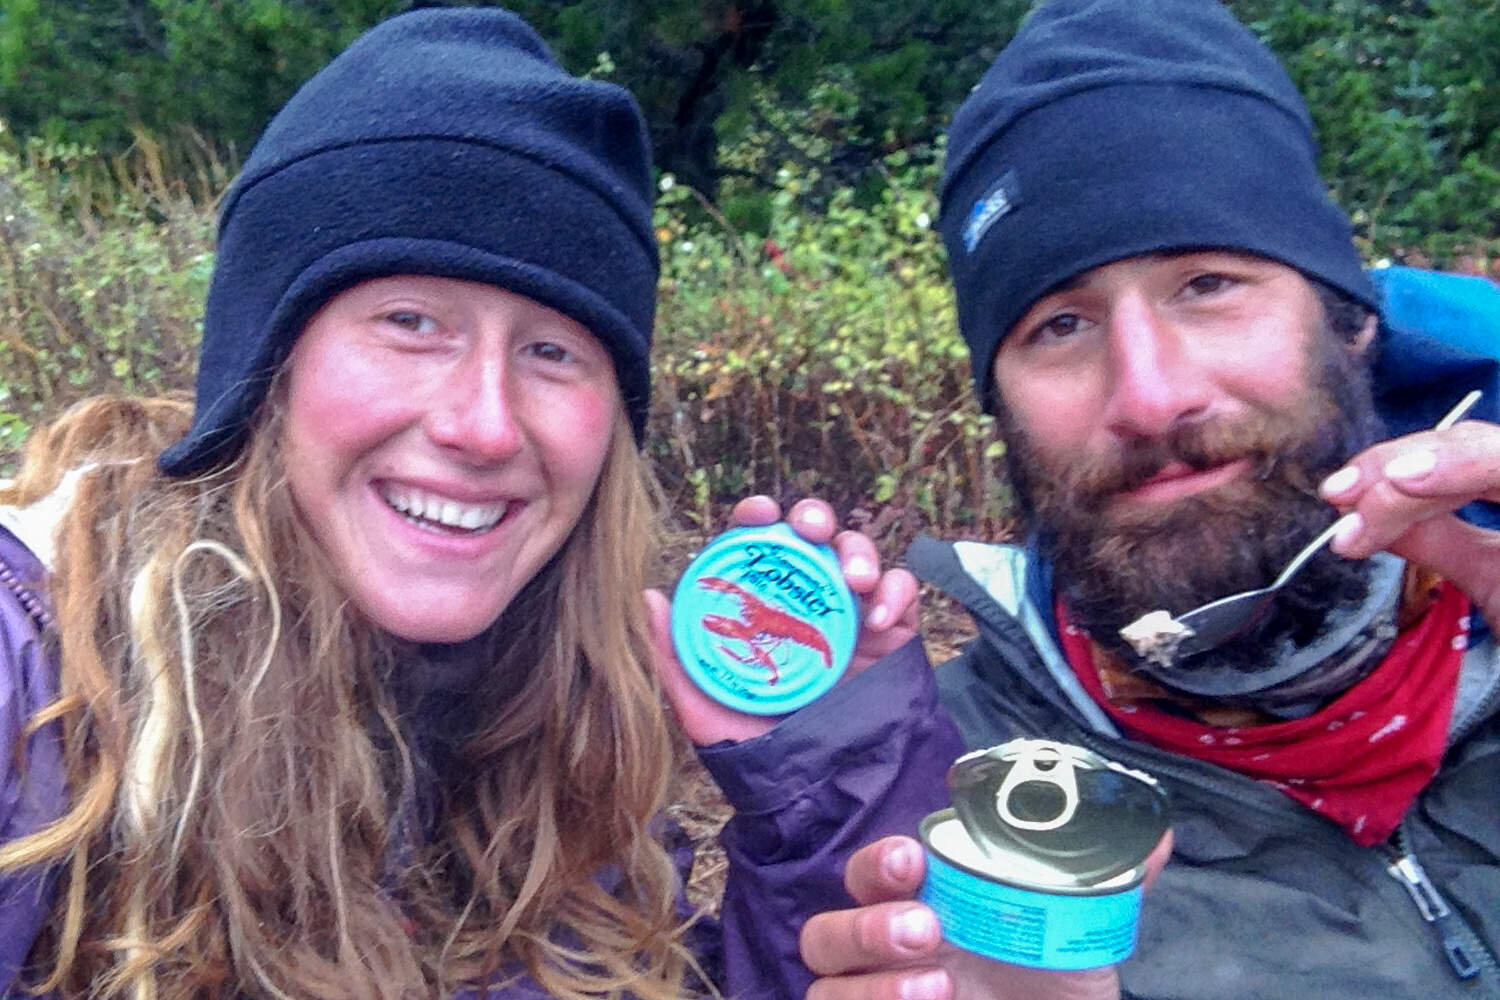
<point x="1029" y="927"/>
<point x="763" y="621"/>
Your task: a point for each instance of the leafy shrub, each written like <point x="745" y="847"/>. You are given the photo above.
<point x="821" y="359"/>
<point x="1405" y="95"/>
<point x="92" y="304"/>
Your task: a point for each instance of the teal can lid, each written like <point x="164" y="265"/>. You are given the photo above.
<point x="763" y="621"/>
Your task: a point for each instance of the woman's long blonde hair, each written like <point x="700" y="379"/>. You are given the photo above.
<point x="244" y="792"/>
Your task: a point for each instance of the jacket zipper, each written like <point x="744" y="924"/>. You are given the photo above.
<point x="35" y="609"/>
<point x="1461" y="944"/>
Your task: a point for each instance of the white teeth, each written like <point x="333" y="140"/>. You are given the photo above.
<point x="417" y="504"/>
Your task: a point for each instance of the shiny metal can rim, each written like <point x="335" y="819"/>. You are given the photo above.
<point x="1136" y="875"/>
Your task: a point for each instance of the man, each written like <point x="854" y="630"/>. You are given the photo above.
<point x="1193" y="377"/>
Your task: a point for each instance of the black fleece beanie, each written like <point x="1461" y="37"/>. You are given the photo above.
<point x="1112" y="128"/>
<point x="442" y="142"/>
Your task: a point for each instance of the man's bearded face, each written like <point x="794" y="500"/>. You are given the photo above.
<point x="1114" y="562"/>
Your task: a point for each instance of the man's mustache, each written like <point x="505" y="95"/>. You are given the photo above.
<point x="1201" y="445"/>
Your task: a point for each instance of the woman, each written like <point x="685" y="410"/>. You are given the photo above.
<point x="348" y="691"/>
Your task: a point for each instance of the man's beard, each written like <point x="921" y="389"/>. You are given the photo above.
<point x="1114" y="565"/>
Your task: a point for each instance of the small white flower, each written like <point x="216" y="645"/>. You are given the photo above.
<point x="686" y="246"/>
<point x="923" y="220"/>
<point x="666" y="183"/>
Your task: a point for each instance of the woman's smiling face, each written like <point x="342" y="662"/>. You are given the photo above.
<point x="442" y="438"/>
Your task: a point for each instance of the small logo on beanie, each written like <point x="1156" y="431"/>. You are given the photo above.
<point x="999" y="200"/>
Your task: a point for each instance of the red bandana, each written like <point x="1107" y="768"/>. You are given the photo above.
<point x="1361" y="759"/>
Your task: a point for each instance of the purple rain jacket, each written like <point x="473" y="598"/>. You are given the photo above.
<point x="31" y="777"/>
<point x="864" y="761"/>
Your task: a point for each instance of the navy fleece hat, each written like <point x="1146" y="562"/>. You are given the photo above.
<point x="443" y="142"/>
<point x="1112" y="128"/>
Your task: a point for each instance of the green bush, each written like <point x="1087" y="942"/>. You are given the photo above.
<point x="89" y="303"/>
<point x="1405" y="93"/>
<point x="1405" y="96"/>
<point x="820" y="359"/>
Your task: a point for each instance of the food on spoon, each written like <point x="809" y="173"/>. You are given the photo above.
<point x="1155" y="636"/>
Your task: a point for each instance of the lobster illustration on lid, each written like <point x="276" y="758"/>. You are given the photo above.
<point x="763" y="621"/>
<point x="761" y="627"/>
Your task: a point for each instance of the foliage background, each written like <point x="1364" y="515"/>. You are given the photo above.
<point x="806" y="340"/>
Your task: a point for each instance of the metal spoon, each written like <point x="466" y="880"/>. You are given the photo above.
<point x="1163" y="640"/>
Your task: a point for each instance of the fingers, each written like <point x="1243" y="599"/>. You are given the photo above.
<point x="892" y="947"/>
<point x="879" y="936"/>
<point x="895" y="593"/>
<point x="890" y="597"/>
<point x="703" y="720"/>
<point x="906" y="984"/>
<point x="1400" y="496"/>
<point x="1396" y="484"/>
<point x="980" y="977"/>
<point x="1466" y="555"/>
<point x="889" y="869"/>
<point x="1157" y="859"/>
<point x="812" y="519"/>
<point x="756" y="510"/>
<point x="895" y="601"/>
<point x="887" y="929"/>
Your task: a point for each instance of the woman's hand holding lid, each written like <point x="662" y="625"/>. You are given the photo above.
<point x="889" y="613"/>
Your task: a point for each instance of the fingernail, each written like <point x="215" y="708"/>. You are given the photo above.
<point x="914" y="930"/>
<point x="1411" y="464"/>
<point x="901" y="862"/>
<point x="878" y="616"/>
<point x="858" y="566"/>
<point x="1347" y="530"/>
<point x="813" y="514"/>
<point x="1340" y="481"/>
<point x="925" y="986"/>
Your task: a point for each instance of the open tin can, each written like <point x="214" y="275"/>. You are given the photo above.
<point x="763" y="621"/>
<point x="1040" y="860"/>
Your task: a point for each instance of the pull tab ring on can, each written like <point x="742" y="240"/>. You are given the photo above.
<point x="1062" y="806"/>
<point x="1059" y="888"/>
<point x="1028" y="768"/>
